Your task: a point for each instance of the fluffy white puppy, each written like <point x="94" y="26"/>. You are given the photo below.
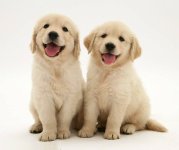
<point x="115" y="97"/>
<point x="57" y="88"/>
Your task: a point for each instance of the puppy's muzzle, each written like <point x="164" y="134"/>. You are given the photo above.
<point x="53" y="35"/>
<point x="52" y="47"/>
<point x="108" y="57"/>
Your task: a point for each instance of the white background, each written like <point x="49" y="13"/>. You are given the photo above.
<point x="156" y="24"/>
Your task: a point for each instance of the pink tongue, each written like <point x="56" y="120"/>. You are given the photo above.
<point x="52" y="49"/>
<point x="108" y="58"/>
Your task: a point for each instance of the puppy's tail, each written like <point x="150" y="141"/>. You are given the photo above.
<point x="155" y="126"/>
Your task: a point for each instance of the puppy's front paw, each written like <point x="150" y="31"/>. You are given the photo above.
<point x="48" y="136"/>
<point x="63" y="134"/>
<point x="111" y="135"/>
<point x="128" y="129"/>
<point x="36" y="128"/>
<point x="86" y="133"/>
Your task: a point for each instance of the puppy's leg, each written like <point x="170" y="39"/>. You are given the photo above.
<point x="128" y="128"/>
<point x="114" y="121"/>
<point x="136" y="121"/>
<point x="37" y="126"/>
<point x="47" y="115"/>
<point x="64" y="118"/>
<point x="91" y="112"/>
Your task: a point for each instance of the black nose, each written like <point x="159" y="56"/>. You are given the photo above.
<point x="110" y="46"/>
<point x="53" y="35"/>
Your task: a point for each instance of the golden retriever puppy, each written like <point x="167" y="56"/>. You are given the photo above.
<point x="57" y="88"/>
<point x="114" y="97"/>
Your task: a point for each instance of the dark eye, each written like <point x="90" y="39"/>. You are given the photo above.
<point x="65" y="29"/>
<point x="104" y="35"/>
<point x="46" y="26"/>
<point x="121" y="39"/>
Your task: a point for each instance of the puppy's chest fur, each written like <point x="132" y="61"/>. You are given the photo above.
<point x="63" y="85"/>
<point x="60" y="85"/>
<point x="108" y="88"/>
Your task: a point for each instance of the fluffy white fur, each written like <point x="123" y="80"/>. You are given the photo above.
<point x="57" y="83"/>
<point x="115" y="97"/>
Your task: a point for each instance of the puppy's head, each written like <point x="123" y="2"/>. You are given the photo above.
<point x="54" y="37"/>
<point x="112" y="44"/>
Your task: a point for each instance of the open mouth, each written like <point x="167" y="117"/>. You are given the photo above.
<point x="52" y="49"/>
<point x="109" y="58"/>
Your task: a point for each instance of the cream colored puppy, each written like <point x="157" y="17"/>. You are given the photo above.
<point x="57" y="88"/>
<point x="115" y="97"/>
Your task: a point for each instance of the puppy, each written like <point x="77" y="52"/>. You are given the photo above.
<point x="57" y="88"/>
<point x="114" y="97"/>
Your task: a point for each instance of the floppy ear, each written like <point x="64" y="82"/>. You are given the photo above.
<point x="135" y="50"/>
<point x="89" y="41"/>
<point x="33" y="44"/>
<point x="76" y="51"/>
